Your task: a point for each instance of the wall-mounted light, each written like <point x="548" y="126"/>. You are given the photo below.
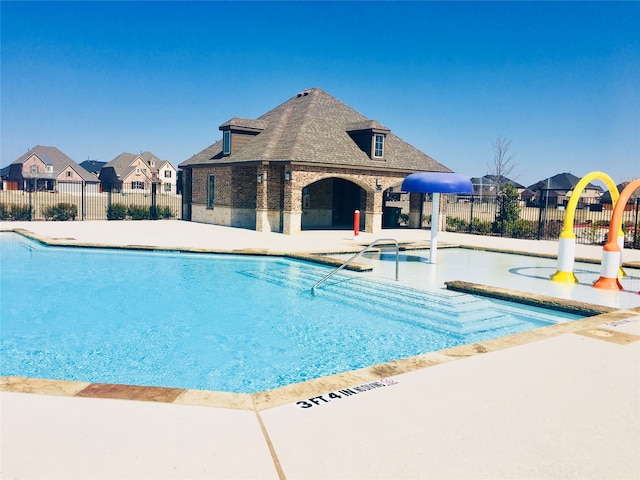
<point x="259" y="178"/>
<point x="287" y="176"/>
<point x="378" y="182"/>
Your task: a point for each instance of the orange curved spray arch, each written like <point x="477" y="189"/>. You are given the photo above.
<point x="611" y="252"/>
<point x="567" y="241"/>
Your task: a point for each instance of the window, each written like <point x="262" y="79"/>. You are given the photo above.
<point x="34" y="169"/>
<point x="378" y="147"/>
<point x="137" y="185"/>
<point x="137" y="171"/>
<point x="167" y="174"/>
<point x="49" y="169"/>
<point x="69" y="173"/>
<point x="226" y="142"/>
<point x="210" y="191"/>
<point x="167" y="187"/>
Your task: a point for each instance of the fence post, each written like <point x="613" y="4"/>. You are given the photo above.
<point x="471" y="215"/>
<point x="31" y="209"/>
<point x="154" y="210"/>
<point x="84" y="201"/>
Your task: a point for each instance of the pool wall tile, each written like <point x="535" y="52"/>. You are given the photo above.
<point x="130" y="392"/>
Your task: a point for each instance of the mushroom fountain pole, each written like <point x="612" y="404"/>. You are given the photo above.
<point x="436" y="183"/>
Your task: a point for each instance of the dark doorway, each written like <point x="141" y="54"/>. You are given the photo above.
<point x="346" y="200"/>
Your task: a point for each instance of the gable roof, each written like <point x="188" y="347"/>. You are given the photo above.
<point x="313" y="127"/>
<point x="561" y="181"/>
<point x="58" y="160"/>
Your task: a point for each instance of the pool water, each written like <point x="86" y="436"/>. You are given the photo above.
<point x="220" y="322"/>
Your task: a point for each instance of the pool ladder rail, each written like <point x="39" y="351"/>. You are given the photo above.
<point x="351" y="259"/>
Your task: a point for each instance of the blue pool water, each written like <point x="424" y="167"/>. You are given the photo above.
<point x="220" y="322"/>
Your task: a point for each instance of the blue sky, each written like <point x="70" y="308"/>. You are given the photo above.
<point x="560" y="80"/>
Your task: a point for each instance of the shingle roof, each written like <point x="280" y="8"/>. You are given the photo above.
<point x="606" y="197"/>
<point x="562" y="181"/>
<point x="503" y="179"/>
<point x="58" y="160"/>
<point x="92" y="166"/>
<point x="313" y="127"/>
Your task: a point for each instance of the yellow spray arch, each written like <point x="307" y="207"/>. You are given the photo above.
<point x="566" y="251"/>
<point x="570" y="214"/>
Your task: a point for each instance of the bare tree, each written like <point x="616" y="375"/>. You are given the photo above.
<point x="503" y="164"/>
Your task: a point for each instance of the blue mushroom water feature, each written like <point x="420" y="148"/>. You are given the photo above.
<point x="436" y="183"/>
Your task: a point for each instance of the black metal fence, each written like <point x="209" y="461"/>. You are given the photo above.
<point x="485" y="215"/>
<point x="85" y="201"/>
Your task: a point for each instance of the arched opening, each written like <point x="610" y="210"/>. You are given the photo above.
<point x="329" y="204"/>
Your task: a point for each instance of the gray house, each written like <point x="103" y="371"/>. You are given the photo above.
<point x="309" y="163"/>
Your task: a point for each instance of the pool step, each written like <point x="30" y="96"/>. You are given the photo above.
<point x="452" y="313"/>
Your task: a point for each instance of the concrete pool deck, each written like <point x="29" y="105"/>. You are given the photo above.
<point x="562" y="404"/>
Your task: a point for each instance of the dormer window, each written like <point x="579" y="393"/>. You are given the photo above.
<point x="369" y="135"/>
<point x="378" y="145"/>
<point x="226" y="142"/>
<point x="49" y="169"/>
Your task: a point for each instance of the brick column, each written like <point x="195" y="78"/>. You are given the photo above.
<point x="262" y="220"/>
<point x="292" y="208"/>
<point x="373" y="218"/>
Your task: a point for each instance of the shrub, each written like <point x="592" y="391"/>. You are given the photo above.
<point x="165" y="212"/>
<point x="481" y="227"/>
<point x="20" y="212"/>
<point x="61" y="212"/>
<point x="137" y="212"/>
<point x="456" y="224"/>
<point x="117" y="211"/>
<point x="4" y="212"/>
<point x="522" y="229"/>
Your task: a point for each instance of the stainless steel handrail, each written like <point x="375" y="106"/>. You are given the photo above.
<point x="348" y="261"/>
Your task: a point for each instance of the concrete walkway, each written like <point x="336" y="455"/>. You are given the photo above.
<point x="564" y="404"/>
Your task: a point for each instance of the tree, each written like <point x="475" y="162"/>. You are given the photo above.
<point x="503" y="164"/>
<point x="508" y="210"/>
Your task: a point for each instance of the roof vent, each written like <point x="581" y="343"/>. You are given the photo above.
<point x="303" y="94"/>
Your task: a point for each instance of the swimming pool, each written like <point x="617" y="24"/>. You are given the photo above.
<point x="220" y="322"/>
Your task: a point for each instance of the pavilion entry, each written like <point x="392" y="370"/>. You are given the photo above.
<point x="330" y="203"/>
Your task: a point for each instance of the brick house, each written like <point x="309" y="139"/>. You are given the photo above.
<point x="307" y="164"/>
<point x="129" y="173"/>
<point x="48" y="169"/>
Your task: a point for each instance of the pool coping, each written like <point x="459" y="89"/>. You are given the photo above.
<point x="593" y="326"/>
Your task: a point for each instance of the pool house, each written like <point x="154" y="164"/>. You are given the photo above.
<point x="309" y="163"/>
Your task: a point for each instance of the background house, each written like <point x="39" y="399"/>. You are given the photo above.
<point x="93" y="166"/>
<point x="48" y="169"/>
<point x="555" y="191"/>
<point x="606" y="202"/>
<point x="129" y="173"/>
<point x="308" y="163"/>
